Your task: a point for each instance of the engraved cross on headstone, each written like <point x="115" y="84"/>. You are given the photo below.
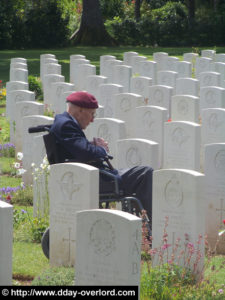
<point x="69" y="240"/>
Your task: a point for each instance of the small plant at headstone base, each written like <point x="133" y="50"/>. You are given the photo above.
<point x="7" y="150"/>
<point x="55" y="276"/>
<point x="40" y="176"/>
<point x="19" y="217"/>
<point x="48" y="112"/>
<point x="168" y="280"/>
<point x="36" y="87"/>
<point x="19" y="195"/>
<point x="2" y="94"/>
<point x="41" y="221"/>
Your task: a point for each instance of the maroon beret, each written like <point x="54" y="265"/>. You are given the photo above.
<point x="83" y="99"/>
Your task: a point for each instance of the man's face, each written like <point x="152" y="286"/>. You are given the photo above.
<point x="87" y="116"/>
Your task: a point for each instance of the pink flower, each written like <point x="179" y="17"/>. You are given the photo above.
<point x="165" y="246"/>
<point x="190" y="245"/>
<point x="224" y="221"/>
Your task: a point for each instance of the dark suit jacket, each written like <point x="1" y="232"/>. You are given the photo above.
<point x="72" y="142"/>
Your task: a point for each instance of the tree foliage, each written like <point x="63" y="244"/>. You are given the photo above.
<point x="50" y="23"/>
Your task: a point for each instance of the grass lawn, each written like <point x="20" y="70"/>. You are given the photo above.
<point x="28" y="260"/>
<point x="91" y="53"/>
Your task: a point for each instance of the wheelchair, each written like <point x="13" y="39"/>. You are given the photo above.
<point x="110" y="189"/>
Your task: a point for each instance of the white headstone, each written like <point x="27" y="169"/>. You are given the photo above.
<point x="135" y="60"/>
<point x="212" y="97"/>
<point x="137" y="152"/>
<point x="106" y="93"/>
<point x="11" y="86"/>
<point x="185" y="108"/>
<point x="183" y="68"/>
<point x="124" y="108"/>
<point x="84" y="70"/>
<point x="127" y="57"/>
<point x="6" y="237"/>
<point x="122" y="75"/>
<point x="220" y="57"/>
<point x="213" y="125"/>
<point x="109" y="67"/>
<point x="47" y="55"/>
<point x="18" y="60"/>
<point x="158" y="57"/>
<point x="48" y="80"/>
<point x="167" y="78"/>
<point x="72" y="187"/>
<point x="182" y="145"/>
<point x="23" y="109"/>
<point x="62" y="105"/>
<point x="168" y="63"/>
<point x="187" y="86"/>
<point x="139" y="85"/>
<point x="52" y="68"/>
<point x="149" y="124"/>
<point x="17" y="74"/>
<point x="56" y="95"/>
<point x="108" y="248"/>
<point x="28" y="145"/>
<point x="43" y="63"/>
<point x="203" y="64"/>
<point x="103" y="59"/>
<point x="17" y="96"/>
<point x="160" y="95"/>
<point x="148" y="69"/>
<point x="215" y="195"/>
<point x="190" y="57"/>
<point x="209" y="79"/>
<point x="18" y="65"/>
<point x="74" y="75"/>
<point x="208" y="53"/>
<point x="111" y="130"/>
<point x="73" y="57"/>
<point x="179" y="201"/>
<point x="93" y="82"/>
<point x="219" y="67"/>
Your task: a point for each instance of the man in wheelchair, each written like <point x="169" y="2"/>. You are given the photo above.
<point x="72" y="144"/>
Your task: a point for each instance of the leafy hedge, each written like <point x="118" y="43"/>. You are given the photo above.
<point x="169" y="26"/>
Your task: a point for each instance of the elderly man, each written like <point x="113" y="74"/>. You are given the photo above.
<point x="73" y="144"/>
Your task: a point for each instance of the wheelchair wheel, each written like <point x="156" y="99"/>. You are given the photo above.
<point x="45" y="243"/>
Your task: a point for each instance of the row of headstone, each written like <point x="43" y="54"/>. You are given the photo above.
<point x="105" y="245"/>
<point x="179" y="137"/>
<point x="181" y="108"/>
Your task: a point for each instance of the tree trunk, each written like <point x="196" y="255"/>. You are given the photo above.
<point x="92" y="31"/>
<point x="137" y="10"/>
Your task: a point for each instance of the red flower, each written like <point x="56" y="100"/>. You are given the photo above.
<point x="8" y="198"/>
<point x="224" y="221"/>
<point x="169" y="120"/>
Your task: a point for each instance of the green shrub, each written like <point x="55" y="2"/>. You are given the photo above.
<point x="55" y="276"/>
<point x="166" y="26"/>
<point x="35" y="86"/>
<point x="46" y="25"/>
